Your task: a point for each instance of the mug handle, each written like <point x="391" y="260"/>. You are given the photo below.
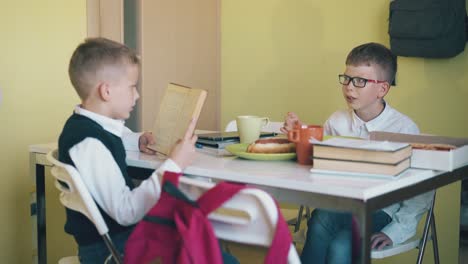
<point x="265" y="121"/>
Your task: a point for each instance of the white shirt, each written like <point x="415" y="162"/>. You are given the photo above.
<point x="103" y="177"/>
<point x="406" y="214"/>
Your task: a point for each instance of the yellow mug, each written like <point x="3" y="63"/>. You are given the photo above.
<point x="249" y="127"/>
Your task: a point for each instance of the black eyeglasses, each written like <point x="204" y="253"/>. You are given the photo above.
<point x="357" y="81"/>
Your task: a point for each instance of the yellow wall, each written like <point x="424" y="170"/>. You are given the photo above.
<point x="38" y="38"/>
<point x="277" y="56"/>
<point x="280" y="55"/>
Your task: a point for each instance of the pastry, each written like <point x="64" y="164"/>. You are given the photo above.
<point x="272" y="145"/>
<point x="442" y="147"/>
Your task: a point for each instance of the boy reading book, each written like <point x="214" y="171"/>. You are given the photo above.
<point x="105" y="73"/>
<point x="370" y="70"/>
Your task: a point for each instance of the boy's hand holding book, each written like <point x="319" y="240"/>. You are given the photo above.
<point x="183" y="152"/>
<point x="179" y="105"/>
<point x="146" y="139"/>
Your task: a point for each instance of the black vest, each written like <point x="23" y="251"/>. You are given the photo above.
<point x="76" y="129"/>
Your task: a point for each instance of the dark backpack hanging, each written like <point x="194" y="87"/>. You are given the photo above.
<point x="427" y="28"/>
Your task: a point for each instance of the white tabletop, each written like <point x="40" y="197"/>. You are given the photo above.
<point x="287" y="175"/>
<point x="278" y="174"/>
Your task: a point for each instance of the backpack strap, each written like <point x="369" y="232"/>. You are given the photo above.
<point x="172" y="190"/>
<point x="172" y="177"/>
<point x="200" y="244"/>
<point x="279" y="249"/>
<point x="216" y="196"/>
<point x="210" y="200"/>
<point x="175" y="192"/>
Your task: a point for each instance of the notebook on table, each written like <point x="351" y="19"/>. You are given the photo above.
<point x="229" y="136"/>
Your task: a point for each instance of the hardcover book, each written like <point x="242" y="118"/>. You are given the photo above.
<point x="179" y="105"/>
<point x="362" y="150"/>
<point x="362" y="167"/>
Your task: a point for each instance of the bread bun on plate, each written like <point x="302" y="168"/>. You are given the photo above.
<point x="442" y="147"/>
<point x="272" y="145"/>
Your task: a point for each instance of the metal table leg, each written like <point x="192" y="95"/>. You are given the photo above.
<point x="41" y="214"/>
<point x="365" y="223"/>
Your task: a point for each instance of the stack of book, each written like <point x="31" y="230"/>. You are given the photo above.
<point x="215" y="143"/>
<point x="362" y="156"/>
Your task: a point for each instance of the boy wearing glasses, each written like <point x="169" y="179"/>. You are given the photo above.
<point x="370" y="71"/>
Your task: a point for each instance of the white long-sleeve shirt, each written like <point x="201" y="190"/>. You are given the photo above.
<point x="104" y="179"/>
<point x="406" y="214"/>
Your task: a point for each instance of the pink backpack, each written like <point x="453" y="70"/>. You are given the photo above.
<point x="177" y="229"/>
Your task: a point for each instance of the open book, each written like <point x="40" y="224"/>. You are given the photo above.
<point x="179" y="105"/>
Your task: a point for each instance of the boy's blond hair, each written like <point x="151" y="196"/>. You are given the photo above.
<point x="94" y="55"/>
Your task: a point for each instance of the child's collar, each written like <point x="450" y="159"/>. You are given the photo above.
<point x="113" y="126"/>
<point x="375" y="123"/>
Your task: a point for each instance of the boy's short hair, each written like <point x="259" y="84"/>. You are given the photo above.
<point x="94" y="55"/>
<point x="374" y="54"/>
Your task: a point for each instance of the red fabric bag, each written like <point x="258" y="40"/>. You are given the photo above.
<point x="177" y="229"/>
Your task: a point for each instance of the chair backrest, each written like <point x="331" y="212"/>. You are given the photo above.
<point x="250" y="217"/>
<point x="272" y="126"/>
<point x="73" y="192"/>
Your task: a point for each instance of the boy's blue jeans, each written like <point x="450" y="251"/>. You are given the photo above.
<point x="329" y="236"/>
<point x="97" y="253"/>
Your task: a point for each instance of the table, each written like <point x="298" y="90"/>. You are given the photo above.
<point x="285" y="180"/>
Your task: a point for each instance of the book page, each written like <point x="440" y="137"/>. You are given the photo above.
<point x="179" y="105"/>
